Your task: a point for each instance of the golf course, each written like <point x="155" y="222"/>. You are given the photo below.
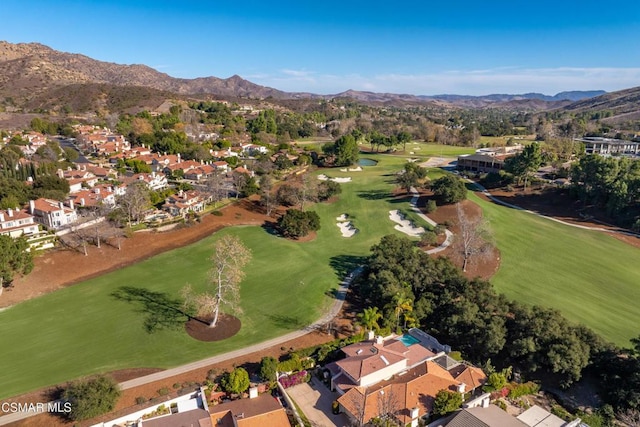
<point x="131" y="317"/>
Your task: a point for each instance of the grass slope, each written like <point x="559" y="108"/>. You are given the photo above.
<point x="84" y="329"/>
<point x="589" y="276"/>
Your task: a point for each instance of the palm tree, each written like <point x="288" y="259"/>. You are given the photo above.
<point x="401" y="305"/>
<point x="368" y="319"/>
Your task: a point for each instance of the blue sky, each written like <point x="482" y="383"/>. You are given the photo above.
<point x="417" y="47"/>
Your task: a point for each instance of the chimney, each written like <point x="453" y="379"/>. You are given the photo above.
<point x="178" y="156"/>
<point x="71" y="204"/>
<point x="415" y="412"/>
<point x="461" y="388"/>
<point x="82" y="201"/>
<point x="1" y="217"/>
<point x="61" y="205"/>
<point x="32" y="206"/>
<point x="485" y="402"/>
<point x="10" y="212"/>
<point x="253" y="392"/>
<point x="379" y="339"/>
<point x="371" y="335"/>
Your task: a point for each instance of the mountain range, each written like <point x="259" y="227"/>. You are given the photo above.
<point x="35" y="76"/>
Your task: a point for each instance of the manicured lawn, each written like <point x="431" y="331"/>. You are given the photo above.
<point x="591" y="277"/>
<point x="85" y="329"/>
<point x="429" y="149"/>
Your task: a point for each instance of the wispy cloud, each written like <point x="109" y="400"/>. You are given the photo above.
<point x="472" y="82"/>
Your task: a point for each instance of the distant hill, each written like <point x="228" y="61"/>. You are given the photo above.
<point x="34" y="76"/>
<point x="616" y="106"/>
<point x="575" y="95"/>
<point x="28" y="69"/>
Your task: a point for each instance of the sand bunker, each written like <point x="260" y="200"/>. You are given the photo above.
<point x="405" y="226"/>
<point x="323" y="177"/>
<point x="346" y="228"/>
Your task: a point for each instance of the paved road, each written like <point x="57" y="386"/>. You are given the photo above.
<point x="333" y="312"/>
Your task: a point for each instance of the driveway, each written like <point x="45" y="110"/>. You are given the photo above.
<point x="314" y="399"/>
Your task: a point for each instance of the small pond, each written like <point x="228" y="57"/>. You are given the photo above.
<point x="367" y="162"/>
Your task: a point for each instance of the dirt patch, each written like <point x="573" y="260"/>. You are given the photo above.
<point x="52" y="270"/>
<point x="484" y="267"/>
<point x="226" y="327"/>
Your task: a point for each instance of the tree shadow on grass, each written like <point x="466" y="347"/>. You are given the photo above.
<point x="374" y="195"/>
<point x="159" y="309"/>
<point x="345" y="264"/>
<point x="284" y="321"/>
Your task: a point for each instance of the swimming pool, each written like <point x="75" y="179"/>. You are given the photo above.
<point x="408" y="340"/>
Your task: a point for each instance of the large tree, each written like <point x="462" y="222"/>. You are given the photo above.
<point x="14" y="259"/>
<point x="228" y="259"/>
<point x="450" y="189"/>
<point x="295" y="223"/>
<point x="446" y="402"/>
<point x="237" y="381"/>
<point x="90" y="398"/>
<point x="523" y="165"/>
<point x="344" y="151"/>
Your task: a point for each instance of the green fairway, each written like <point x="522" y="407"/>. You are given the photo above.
<point x="430" y="149"/>
<point x="99" y="325"/>
<point x="589" y="276"/>
<point x="86" y="329"/>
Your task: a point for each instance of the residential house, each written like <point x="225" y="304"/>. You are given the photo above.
<point x="483" y="416"/>
<point x="154" y="181"/>
<point x="182" y="166"/>
<point x="221" y="166"/>
<point x="402" y="373"/>
<point x="253" y="149"/>
<point x="101" y="172"/>
<point x="159" y="162"/>
<point x="262" y="410"/>
<point x="221" y="154"/>
<point x="198" y="173"/>
<point x="52" y="213"/>
<point x="183" y="202"/>
<point x="96" y="196"/>
<point x="16" y="223"/>
<point x="78" y="178"/>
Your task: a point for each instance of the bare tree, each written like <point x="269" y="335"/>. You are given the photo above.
<point x="267" y="196"/>
<point x="135" y="202"/>
<point x="474" y="239"/>
<point x="388" y="406"/>
<point x="631" y="417"/>
<point x="308" y="190"/>
<point x="77" y="239"/>
<point x="357" y="407"/>
<point x="228" y="259"/>
<point x="215" y="187"/>
<point x="240" y="181"/>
